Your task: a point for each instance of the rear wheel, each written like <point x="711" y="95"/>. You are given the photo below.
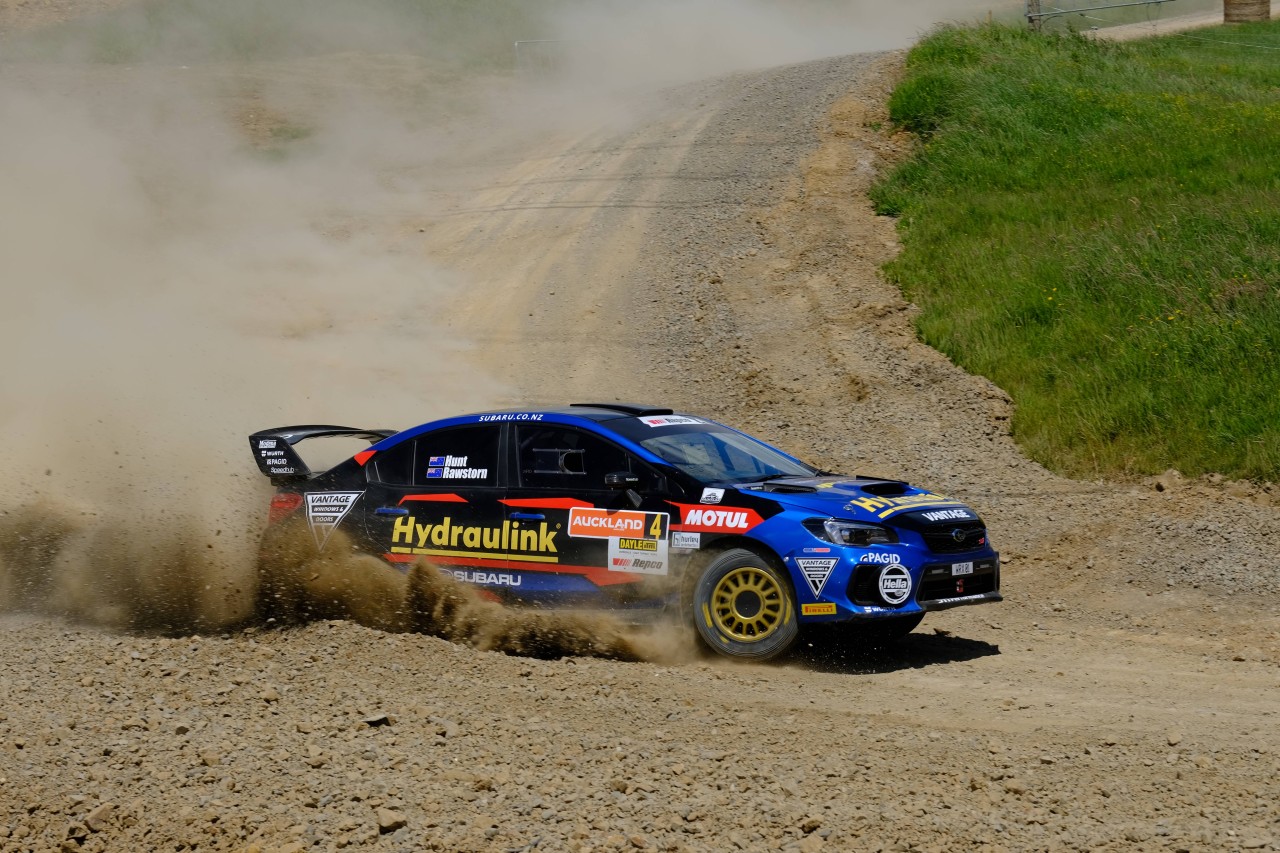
<point x="743" y="607"/>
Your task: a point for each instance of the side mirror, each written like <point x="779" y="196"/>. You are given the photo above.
<point x="620" y="480"/>
<point x="624" y="481"/>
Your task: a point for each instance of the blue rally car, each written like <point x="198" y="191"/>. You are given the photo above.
<point x="636" y="506"/>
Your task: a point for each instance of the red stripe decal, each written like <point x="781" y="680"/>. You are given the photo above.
<point x="596" y="574"/>
<point x="547" y="503"/>
<point x="449" y="499"/>
<point x="363" y="456"/>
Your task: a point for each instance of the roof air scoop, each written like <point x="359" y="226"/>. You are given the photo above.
<point x="633" y="409"/>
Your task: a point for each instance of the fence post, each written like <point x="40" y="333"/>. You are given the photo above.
<point x="1033" y="14"/>
<point x="1244" y="11"/>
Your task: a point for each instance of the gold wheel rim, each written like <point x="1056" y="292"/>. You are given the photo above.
<point x="747" y="604"/>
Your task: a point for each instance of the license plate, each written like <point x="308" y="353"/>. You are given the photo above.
<point x="961" y="569"/>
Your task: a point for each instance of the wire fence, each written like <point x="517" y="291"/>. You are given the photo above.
<point x="1038" y="12"/>
<point x="1230" y="43"/>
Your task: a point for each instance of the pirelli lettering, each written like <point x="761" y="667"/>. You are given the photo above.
<point x="510" y="540"/>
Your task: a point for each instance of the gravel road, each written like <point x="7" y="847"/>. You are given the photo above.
<point x="717" y="252"/>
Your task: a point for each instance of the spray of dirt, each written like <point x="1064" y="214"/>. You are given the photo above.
<point x="441" y="606"/>
<point x="297" y="585"/>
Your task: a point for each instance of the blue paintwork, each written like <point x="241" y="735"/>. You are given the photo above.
<point x="782" y="534"/>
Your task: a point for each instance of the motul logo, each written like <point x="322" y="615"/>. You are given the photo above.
<point x="705" y="519"/>
<point x="717" y="518"/>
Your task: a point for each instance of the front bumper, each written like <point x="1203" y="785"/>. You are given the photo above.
<point x="938" y="582"/>
<point x="961" y="601"/>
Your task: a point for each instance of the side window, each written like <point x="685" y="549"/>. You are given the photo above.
<point x="565" y="458"/>
<point x="461" y="456"/>
<point x="394" y="466"/>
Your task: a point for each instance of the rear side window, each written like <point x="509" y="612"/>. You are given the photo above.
<point x="394" y="466"/>
<point x="566" y="458"/>
<point x="461" y="456"/>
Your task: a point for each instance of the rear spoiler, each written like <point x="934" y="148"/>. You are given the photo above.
<point x="274" y="453"/>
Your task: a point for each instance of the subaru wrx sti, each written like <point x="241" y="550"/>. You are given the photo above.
<point x="629" y="506"/>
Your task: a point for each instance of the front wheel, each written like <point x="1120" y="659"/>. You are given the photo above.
<point x="743" y="607"/>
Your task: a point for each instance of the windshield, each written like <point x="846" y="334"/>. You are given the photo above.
<point x="724" y="457"/>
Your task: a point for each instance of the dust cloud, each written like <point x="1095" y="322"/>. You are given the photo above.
<point x="208" y="215"/>
<point x="177" y="275"/>
<point x="603" y="50"/>
<point x="617" y="43"/>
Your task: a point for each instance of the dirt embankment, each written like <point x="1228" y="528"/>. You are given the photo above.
<point x="719" y="254"/>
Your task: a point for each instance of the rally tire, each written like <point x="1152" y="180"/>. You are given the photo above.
<point x="742" y="606"/>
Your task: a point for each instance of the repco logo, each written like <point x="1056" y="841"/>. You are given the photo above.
<point x="707" y="520"/>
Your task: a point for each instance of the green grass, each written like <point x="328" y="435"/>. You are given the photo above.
<point x="1096" y="227"/>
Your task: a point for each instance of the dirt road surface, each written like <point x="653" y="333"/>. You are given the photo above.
<point x="718" y="254"/>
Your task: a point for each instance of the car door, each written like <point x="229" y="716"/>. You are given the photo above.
<point x="591" y="537"/>
<point x="438" y="496"/>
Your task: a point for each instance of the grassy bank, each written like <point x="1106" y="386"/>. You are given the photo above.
<point x="1096" y="227"/>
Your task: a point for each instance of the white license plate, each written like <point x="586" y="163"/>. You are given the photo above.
<point x="961" y="569"/>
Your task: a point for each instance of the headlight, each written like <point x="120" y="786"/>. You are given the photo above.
<point x="851" y="532"/>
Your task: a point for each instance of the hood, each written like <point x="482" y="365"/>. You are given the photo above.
<point x="855" y="498"/>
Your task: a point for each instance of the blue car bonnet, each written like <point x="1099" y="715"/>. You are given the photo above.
<point x="855" y="498"/>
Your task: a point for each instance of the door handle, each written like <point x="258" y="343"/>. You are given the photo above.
<point x="391" y="510"/>
<point x="528" y="516"/>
